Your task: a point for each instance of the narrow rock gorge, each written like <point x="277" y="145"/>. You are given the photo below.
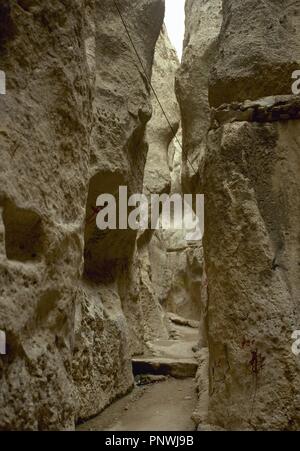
<point x="141" y="327"/>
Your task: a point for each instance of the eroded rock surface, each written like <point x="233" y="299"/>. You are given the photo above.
<point x="253" y="203"/>
<point x="45" y="123"/>
<point x="258" y="50"/>
<point x="248" y="173"/>
<point x="71" y="127"/>
<point x="160" y="133"/>
<point x="157" y="178"/>
<point x="203" y="24"/>
<point x="110" y="324"/>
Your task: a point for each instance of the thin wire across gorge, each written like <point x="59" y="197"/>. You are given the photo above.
<point x="150" y="84"/>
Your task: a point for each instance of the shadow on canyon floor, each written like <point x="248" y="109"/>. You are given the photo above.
<point x="163" y="406"/>
<point x="158" y="402"/>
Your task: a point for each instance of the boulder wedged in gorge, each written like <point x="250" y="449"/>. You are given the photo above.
<point x="248" y="171"/>
<point x="71" y="127"/>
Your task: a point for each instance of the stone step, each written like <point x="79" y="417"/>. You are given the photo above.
<point x="172" y="349"/>
<point x="178" y="368"/>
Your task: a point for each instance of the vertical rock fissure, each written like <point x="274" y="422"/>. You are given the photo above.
<point x="164" y="270"/>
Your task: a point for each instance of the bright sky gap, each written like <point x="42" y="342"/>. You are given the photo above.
<point x="174" y="20"/>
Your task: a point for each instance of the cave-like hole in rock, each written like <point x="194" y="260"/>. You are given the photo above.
<point x="23" y="233"/>
<point x="106" y="252"/>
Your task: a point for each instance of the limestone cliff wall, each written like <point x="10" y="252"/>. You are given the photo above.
<point x="71" y="127"/>
<point x="110" y="323"/>
<point x="248" y="171"/>
<point x="45" y="123"/>
<point x="259" y="50"/>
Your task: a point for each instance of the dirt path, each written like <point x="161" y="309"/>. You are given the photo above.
<point x="164" y="406"/>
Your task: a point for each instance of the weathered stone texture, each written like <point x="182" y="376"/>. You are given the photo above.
<point x="159" y="132"/>
<point x="45" y="121"/>
<point x="258" y="50"/>
<point x="71" y="127"/>
<point x="252" y="203"/>
<point x="248" y="171"/>
<point x="203" y="23"/>
<point x="122" y="107"/>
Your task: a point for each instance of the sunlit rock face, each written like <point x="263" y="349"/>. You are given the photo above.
<point x="71" y="127"/>
<point x="248" y="172"/>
